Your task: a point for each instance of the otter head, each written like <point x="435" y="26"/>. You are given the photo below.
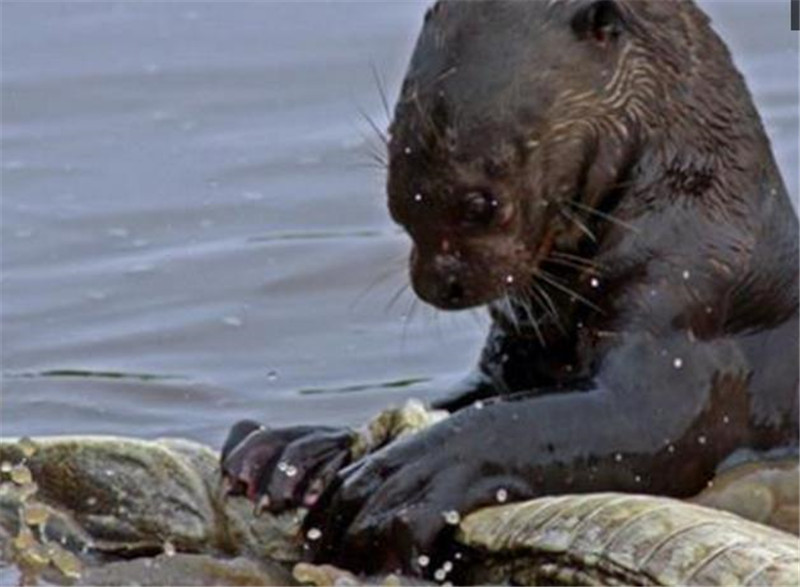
<point x="515" y="120"/>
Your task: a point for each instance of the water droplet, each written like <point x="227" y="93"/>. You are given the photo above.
<point x="618" y="457"/>
<point x="447" y="566"/>
<point x="501" y="495"/>
<point x="686" y="274"/>
<point x="479" y="404"/>
<point x="458" y="556"/>
<point x="417" y="197"/>
<point x="423" y="560"/>
<point x="110" y="472"/>
<point x="594" y="282"/>
<point x="677" y="363"/>
<point x="638" y="478"/>
<point x="671" y="448"/>
<point x="232" y="321"/>
<point x="91" y="501"/>
<point x="440" y="575"/>
<point x="509" y="279"/>
<point x="314" y="534"/>
<point x="282" y="466"/>
<point x="272" y="375"/>
<point x="726" y="420"/>
<point x="169" y="548"/>
<point x="710" y="483"/>
<point x="291" y="470"/>
<point x="452" y="517"/>
<point x="701" y="439"/>
<point x="407" y="150"/>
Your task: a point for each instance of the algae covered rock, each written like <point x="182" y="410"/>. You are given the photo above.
<point x="106" y="500"/>
<point x="609" y="539"/>
<point x="118" y="511"/>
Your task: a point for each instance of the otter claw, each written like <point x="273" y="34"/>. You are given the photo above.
<point x="314" y="492"/>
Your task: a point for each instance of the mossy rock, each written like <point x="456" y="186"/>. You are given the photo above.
<point x="113" y="511"/>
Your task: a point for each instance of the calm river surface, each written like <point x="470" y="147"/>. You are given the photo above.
<point x="192" y="233"/>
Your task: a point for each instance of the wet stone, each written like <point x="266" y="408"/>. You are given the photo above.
<point x="35" y="514"/>
<point x="27" y="446"/>
<point x="67" y="563"/>
<point x="162" y="501"/>
<point x="21" y="475"/>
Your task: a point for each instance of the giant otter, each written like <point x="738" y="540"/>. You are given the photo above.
<point x="595" y="173"/>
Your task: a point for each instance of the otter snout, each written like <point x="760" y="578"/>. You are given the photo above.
<point x="441" y="280"/>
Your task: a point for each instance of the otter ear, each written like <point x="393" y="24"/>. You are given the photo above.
<point x="600" y="20"/>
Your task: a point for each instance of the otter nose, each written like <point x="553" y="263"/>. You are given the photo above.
<point x="451" y="289"/>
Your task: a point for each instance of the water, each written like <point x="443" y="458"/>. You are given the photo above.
<point x="190" y="224"/>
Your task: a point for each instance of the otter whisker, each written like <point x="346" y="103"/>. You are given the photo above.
<point x="545" y="301"/>
<point x="396" y="296"/>
<point x="409" y="315"/>
<point x="376" y="281"/>
<point x="376" y="155"/>
<point x="589" y="263"/>
<point x="376" y="76"/>
<point x="604" y="215"/>
<point x="377" y="162"/>
<point x="552" y="280"/>
<point x="566" y="263"/>
<point x="524" y="302"/>
<point x="579" y="223"/>
<point x="428" y="120"/>
<point x="509" y="311"/>
<point x="439" y="78"/>
<point x="374" y="125"/>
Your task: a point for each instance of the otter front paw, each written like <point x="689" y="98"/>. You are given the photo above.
<point x="284" y="468"/>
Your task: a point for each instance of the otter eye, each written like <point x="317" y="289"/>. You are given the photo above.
<point x="601" y="20"/>
<point x="479" y="208"/>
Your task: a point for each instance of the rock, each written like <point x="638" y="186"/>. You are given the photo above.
<point x="766" y="492"/>
<point x="608" y="539"/>
<point x="110" y="499"/>
<point x="114" y="511"/>
<point x="185" y="569"/>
